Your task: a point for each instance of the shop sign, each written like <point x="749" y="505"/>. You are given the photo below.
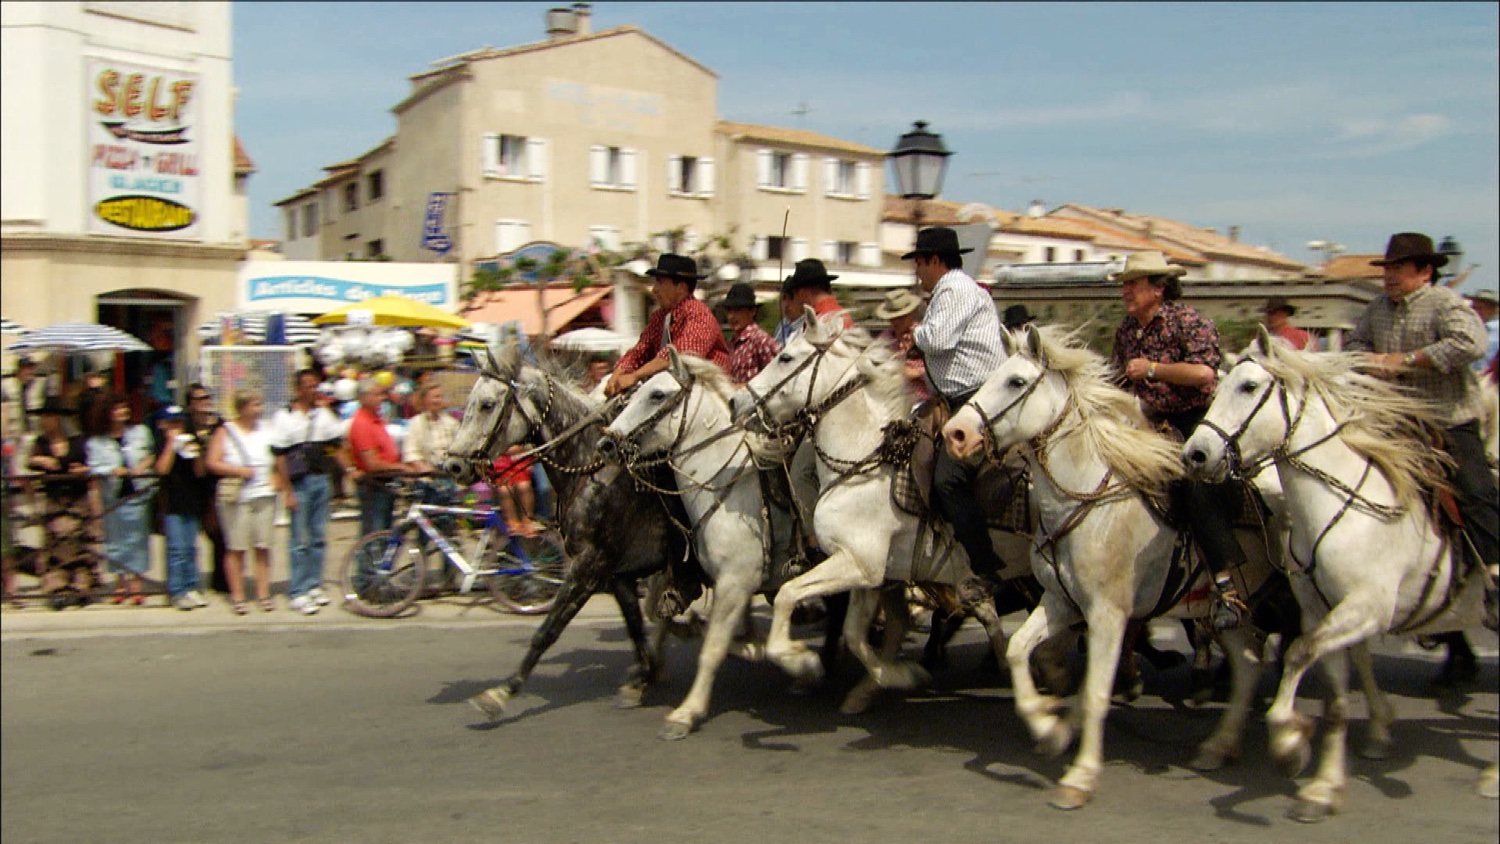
<point x="144" y="150"/>
<point x="317" y="287"/>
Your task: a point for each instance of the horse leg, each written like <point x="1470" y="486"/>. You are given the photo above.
<point x="1128" y="684"/>
<point x="1106" y="635"/>
<point x="838" y="573"/>
<point x="988" y="617"/>
<point x="942" y="630"/>
<point x="1382" y="713"/>
<point x="1245" y="667"/>
<point x="1325" y="794"/>
<point x="892" y="600"/>
<point x="1050" y="619"/>
<point x="648" y="650"/>
<point x="837" y="607"/>
<point x="732" y="594"/>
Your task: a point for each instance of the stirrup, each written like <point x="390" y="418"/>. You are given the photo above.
<point x="670" y="604"/>
<point x="1229" y="611"/>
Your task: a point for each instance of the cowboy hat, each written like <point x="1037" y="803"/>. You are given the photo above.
<point x="1017" y="316"/>
<point x="676" y="267"/>
<point x="898" y="303"/>
<point x="1485" y="296"/>
<point x="1279" y="303"/>
<point x="740" y="296"/>
<point x="1411" y="246"/>
<point x="935" y="241"/>
<point x="1146" y="265"/>
<point x="809" y="272"/>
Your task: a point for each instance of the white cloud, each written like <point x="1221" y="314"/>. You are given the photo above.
<point x="1371" y="136"/>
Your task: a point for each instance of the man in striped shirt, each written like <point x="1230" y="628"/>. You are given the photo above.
<point x="960" y="340"/>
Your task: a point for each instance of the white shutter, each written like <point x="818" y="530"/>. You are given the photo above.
<point x="799" y="249"/>
<point x="490" y="155"/>
<point x="830" y="252"/>
<point x="536" y="159"/>
<point x="598" y="166"/>
<point x="705" y="177"/>
<point x="660" y="243"/>
<point x="862" y="180"/>
<point x="869" y="254"/>
<point x="760" y="250"/>
<point x="763" y="168"/>
<point x="627" y="168"/>
<point x="799" y="172"/>
<point x="674" y="174"/>
<point x="689" y="242"/>
<point x="830" y="176"/>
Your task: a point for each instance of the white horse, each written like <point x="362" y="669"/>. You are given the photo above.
<point x="1366" y="557"/>
<point x="683" y="414"/>
<point x="849" y="388"/>
<point x="1103" y="553"/>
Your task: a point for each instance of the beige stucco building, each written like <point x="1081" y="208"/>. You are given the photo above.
<point x="122" y="188"/>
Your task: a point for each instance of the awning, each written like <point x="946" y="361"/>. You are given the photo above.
<point x="520" y="305"/>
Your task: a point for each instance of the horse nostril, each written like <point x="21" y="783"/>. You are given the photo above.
<point x="606" y="445"/>
<point x="1197" y="456"/>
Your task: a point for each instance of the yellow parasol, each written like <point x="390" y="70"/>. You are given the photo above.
<point x="394" y="310"/>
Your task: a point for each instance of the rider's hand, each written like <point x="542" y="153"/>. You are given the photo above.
<point x="619" y="383"/>
<point x="291" y="500"/>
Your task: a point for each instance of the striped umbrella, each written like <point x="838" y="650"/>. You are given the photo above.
<point x="299" y="332"/>
<point x="78" y="337"/>
<point x="8" y="327"/>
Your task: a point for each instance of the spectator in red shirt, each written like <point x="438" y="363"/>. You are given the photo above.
<point x="1279" y="313"/>
<point x="751" y="348"/>
<point x="812" y="287"/>
<point x="681" y="321"/>
<point x="373" y="450"/>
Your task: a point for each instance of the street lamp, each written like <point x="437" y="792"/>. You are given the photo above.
<point x="1329" y="248"/>
<point x="920" y="161"/>
<point x="1455" y="253"/>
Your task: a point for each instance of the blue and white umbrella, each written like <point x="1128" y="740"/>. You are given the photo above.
<point x="8" y="327"/>
<point x="78" y="337"/>
<point x="299" y="332"/>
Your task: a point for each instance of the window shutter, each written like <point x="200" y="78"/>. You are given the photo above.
<point x="490" y="155"/>
<point x="869" y="254"/>
<point x="689" y="242"/>
<point x="799" y="249"/>
<point x="760" y="249"/>
<point x="536" y="159"/>
<point x="830" y="252"/>
<point x="830" y="176"/>
<point x="763" y="168"/>
<point x="627" y="168"/>
<point x="660" y="243"/>
<point x="674" y="174"/>
<point x="598" y="165"/>
<point x="799" y="172"/>
<point x="705" y="177"/>
<point x="862" y="180"/>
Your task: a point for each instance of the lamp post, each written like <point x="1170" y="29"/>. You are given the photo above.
<point x="1329" y="248"/>
<point x="920" y="161"/>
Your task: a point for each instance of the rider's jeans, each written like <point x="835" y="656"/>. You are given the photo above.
<point x="1476" y="489"/>
<point x="954" y="498"/>
<point x="307" y="542"/>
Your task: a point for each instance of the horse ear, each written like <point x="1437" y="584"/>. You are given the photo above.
<point x="1007" y="342"/>
<point x="1262" y="340"/>
<point x="508" y="359"/>
<point x="813" y="328"/>
<point x="1034" y="346"/>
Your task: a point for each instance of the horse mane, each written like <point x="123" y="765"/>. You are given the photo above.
<point x="1109" y="418"/>
<point x="1382" y="422"/>
<point x="710" y="375"/>
<point x="876" y="359"/>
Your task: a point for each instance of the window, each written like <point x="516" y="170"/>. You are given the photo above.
<point x="289" y="224"/>
<point x="514" y="157"/>
<point x="781" y="171"/>
<point x="375" y="249"/>
<point x="310" y="219"/>
<point x="612" y="168"/>
<point x="1078" y="255"/>
<point x="605" y="238"/>
<point x="687" y="171"/>
<point x="351" y="196"/>
<point x="690" y="176"/>
<point x="840" y="179"/>
<point x="776" y="248"/>
<point x="376" y="185"/>
<point x="846" y="252"/>
<point x="1050" y="254"/>
<point x="511" y="235"/>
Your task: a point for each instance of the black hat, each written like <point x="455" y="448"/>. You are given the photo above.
<point x="676" y="267"/>
<point x="809" y="272"/>
<point x="1017" y="316"/>
<point x="935" y="241"/>
<point x="54" y="406"/>
<point x="1279" y="303"/>
<point x="1411" y="246"/>
<point x="740" y="296"/>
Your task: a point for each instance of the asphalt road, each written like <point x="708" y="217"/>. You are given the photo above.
<point x="328" y="729"/>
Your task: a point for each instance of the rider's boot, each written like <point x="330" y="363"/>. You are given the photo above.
<point x="1229" y="610"/>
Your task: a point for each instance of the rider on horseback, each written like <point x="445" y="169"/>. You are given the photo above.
<point x="1167" y="354"/>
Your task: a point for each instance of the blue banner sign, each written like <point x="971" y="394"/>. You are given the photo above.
<point x="433" y="237"/>
<point x="340" y="292"/>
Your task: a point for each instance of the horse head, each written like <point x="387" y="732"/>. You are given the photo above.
<point x="498" y="414"/>
<point x="1236" y="431"/>
<point x="654" y="412"/>
<point x="807" y="370"/>
<point x="1015" y="404"/>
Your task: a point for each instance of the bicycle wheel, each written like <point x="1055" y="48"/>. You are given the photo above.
<point x="371" y="589"/>
<point x="534" y="590"/>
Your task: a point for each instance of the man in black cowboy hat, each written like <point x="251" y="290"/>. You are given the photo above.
<point x="960" y="341"/>
<point x="1016" y="317"/>
<point x="1426" y="337"/>
<point x="750" y="347"/>
<point x="680" y="321"/>
<point x="810" y="286"/>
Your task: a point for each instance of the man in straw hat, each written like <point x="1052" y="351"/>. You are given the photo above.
<point x="750" y="347"/>
<point x="680" y="321"/>
<point x="1425" y="337"/>
<point x="899" y="308"/>
<point x="1167" y="354"/>
<point x="1279" y="313"/>
<point x="960" y="341"/>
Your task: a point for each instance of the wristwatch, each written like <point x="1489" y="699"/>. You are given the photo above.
<point x="1151" y="372"/>
<point x="1409" y="360"/>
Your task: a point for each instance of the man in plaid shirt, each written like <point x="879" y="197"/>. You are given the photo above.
<point x="750" y="347"/>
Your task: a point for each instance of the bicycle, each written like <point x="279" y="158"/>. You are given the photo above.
<point x="387" y="571"/>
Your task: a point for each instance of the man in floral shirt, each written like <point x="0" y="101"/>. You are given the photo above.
<point x="1167" y="354"/>
<point x="681" y="321"/>
<point x="751" y="348"/>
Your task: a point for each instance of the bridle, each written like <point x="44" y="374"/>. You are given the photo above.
<point x="1237" y="467"/>
<point x="807" y="416"/>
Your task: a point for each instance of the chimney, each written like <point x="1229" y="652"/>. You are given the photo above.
<point x="1036" y="209"/>
<point x="1234" y="233"/>
<point x="1150" y="229"/>
<point x="561" y="23"/>
<point x="582" y="14"/>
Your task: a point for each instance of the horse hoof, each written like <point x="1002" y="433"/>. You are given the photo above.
<point x="674" y="731"/>
<point x="1130" y="692"/>
<point x="491" y="702"/>
<point x="1056" y="741"/>
<point x="1307" y="811"/>
<point x="1294" y="761"/>
<point x="629" y="697"/>
<point x="859" y="700"/>
<point x="1068" y="798"/>
<point x="1376" y="751"/>
<point x="1207" y="761"/>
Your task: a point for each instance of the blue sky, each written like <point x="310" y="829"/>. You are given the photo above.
<point x="1296" y="122"/>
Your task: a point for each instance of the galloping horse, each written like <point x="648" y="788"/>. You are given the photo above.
<point x="1366" y="556"/>
<point x="614" y="534"/>
<point x="851" y="391"/>
<point x="1103" y="551"/>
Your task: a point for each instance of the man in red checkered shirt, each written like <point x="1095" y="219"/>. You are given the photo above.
<point x="681" y="321"/>
<point x="751" y="348"/>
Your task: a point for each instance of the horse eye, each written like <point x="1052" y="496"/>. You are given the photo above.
<point x="784" y="358"/>
<point x="487" y="405"/>
<point x="1249" y="387"/>
<point x="1015" y="382"/>
<point x="658" y="395"/>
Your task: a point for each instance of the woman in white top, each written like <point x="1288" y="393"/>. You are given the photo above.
<point x="240" y="453"/>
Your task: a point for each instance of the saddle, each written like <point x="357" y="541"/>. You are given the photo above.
<point x="1002" y="491"/>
